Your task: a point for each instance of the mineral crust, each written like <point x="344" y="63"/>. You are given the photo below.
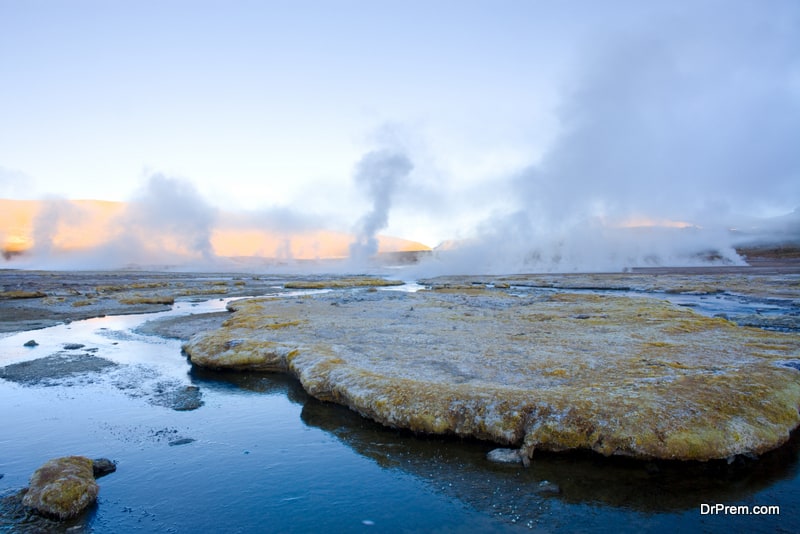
<point x="62" y="487"/>
<point x="627" y="376"/>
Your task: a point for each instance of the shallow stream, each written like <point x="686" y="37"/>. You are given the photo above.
<point x="259" y="455"/>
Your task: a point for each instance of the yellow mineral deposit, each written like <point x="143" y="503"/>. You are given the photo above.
<point x="62" y="487"/>
<point x="618" y="375"/>
<point x="21" y="294"/>
<point x="148" y="299"/>
<point x="337" y="283"/>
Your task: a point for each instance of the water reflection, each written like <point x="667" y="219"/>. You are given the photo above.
<point x="459" y="467"/>
<point x="451" y="467"/>
<point x="265" y="383"/>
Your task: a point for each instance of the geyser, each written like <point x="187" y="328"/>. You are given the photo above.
<point x="378" y="173"/>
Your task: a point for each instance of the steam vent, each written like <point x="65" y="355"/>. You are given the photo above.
<point x="619" y="375"/>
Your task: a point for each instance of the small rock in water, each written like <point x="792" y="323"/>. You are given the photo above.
<point x="177" y="396"/>
<point x="548" y="488"/>
<point x="56" y="367"/>
<point x="182" y="441"/>
<point x="102" y="467"/>
<point x="31" y="343"/>
<point x="62" y="488"/>
<point x="73" y="346"/>
<point x="504" y="456"/>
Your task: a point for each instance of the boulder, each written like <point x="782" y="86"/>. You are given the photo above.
<point x="630" y="376"/>
<point x="102" y="467"/>
<point x="62" y="488"/>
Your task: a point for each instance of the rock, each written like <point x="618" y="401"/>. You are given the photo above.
<point x="102" y="467"/>
<point x="546" y="487"/>
<point x="181" y="441"/>
<point x="31" y="343"/>
<point x="55" y="368"/>
<point x="504" y="456"/>
<point x="13" y="512"/>
<point x="177" y="396"/>
<point x="73" y="346"/>
<point x="187" y="398"/>
<point x="62" y="488"/>
<point x="637" y="377"/>
<point x="239" y="354"/>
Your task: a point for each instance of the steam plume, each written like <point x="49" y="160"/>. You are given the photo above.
<point x="688" y="120"/>
<point x="54" y="213"/>
<point x="169" y="214"/>
<point x="378" y="173"/>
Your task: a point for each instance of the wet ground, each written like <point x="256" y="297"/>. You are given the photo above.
<point x="202" y="450"/>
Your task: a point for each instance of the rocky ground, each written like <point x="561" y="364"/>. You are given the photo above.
<point x="620" y="375"/>
<point x="536" y="362"/>
<point x="38" y="299"/>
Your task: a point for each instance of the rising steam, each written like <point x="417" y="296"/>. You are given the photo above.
<point x="687" y="121"/>
<point x="378" y="174"/>
<point x="170" y="215"/>
<point x="167" y="223"/>
<point x="55" y="214"/>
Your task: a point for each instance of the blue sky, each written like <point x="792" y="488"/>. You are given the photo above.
<point x="551" y="111"/>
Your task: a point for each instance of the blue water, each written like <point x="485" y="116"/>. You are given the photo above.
<point x="265" y="457"/>
<point x="735" y="307"/>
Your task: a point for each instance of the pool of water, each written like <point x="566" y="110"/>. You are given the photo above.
<point x="262" y="456"/>
<point x="737" y="308"/>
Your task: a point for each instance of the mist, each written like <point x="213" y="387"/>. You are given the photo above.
<point x="55" y="213"/>
<point x="166" y="223"/>
<point x="672" y="133"/>
<point x="654" y="135"/>
<point x="170" y="215"/>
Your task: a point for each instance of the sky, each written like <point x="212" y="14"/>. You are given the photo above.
<point x="531" y="125"/>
